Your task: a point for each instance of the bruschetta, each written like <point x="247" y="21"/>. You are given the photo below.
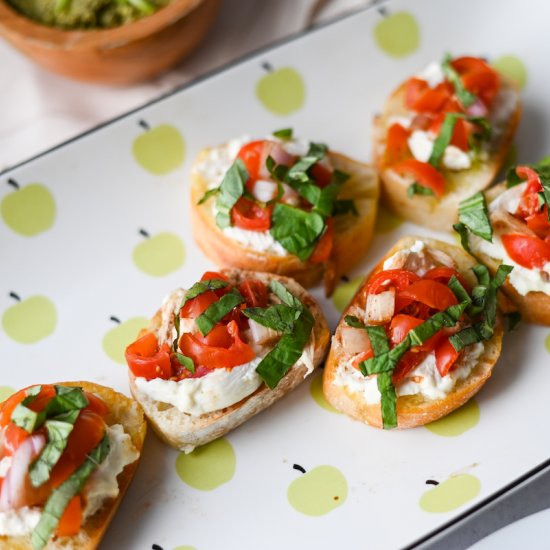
<point x="222" y="351"/>
<point x="282" y="205"/>
<point x="67" y="455"/>
<point x="442" y="136"/>
<point x="420" y="337"/>
<point x="510" y="224"/>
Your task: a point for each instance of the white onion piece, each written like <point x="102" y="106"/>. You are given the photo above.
<point x="13" y="486"/>
<point x="441" y="258"/>
<point x="380" y="307"/>
<point x="354" y="340"/>
<point x="260" y="334"/>
<point x="264" y="190"/>
<point x="187" y="324"/>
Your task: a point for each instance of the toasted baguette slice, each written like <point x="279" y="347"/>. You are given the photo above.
<point x="184" y="431"/>
<point x="352" y="234"/>
<point x="534" y="307"/>
<point x="122" y="410"/>
<point x="412" y="410"/>
<point x="442" y="213"/>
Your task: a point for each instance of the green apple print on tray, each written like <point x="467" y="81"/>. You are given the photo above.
<point x="397" y="34"/>
<point x="159" y="254"/>
<point x="160" y="149"/>
<point x="30" y="319"/>
<point x="512" y="67"/>
<point x="28" y="210"/>
<point x="450" y="494"/>
<point x="318" y="491"/>
<point x="281" y="91"/>
<point x="122" y="334"/>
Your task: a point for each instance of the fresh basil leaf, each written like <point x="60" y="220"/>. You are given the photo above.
<point x="443" y="139"/>
<point x="298" y="172"/>
<point x="201" y="287"/>
<point x="385" y="362"/>
<point x="215" y="312"/>
<point x="67" y="398"/>
<point x="378" y="339"/>
<point x="175" y="343"/>
<point x="59" y="428"/>
<point x="474" y="214"/>
<point x="277" y="171"/>
<point x="279" y="317"/>
<point x="210" y="193"/>
<point x="458" y="290"/>
<point x="465" y="97"/>
<point x="463" y="233"/>
<point x="512" y="179"/>
<point x="482" y="274"/>
<point x="26" y="418"/>
<point x="344" y="206"/>
<point x="282" y="292"/>
<point x="231" y="190"/>
<point x="297" y="231"/>
<point x="353" y="321"/>
<point x="446" y="318"/>
<point x="62" y="495"/>
<point x="388" y="400"/>
<point x="187" y="362"/>
<point x="416" y="189"/>
<point x="465" y="337"/>
<point x="284" y="134"/>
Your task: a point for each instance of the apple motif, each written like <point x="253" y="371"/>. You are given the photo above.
<point x="451" y="494"/>
<point x="319" y="491"/>
<point x="208" y="466"/>
<point x="345" y="292"/>
<point x="397" y="34"/>
<point x="29" y="210"/>
<point x="316" y="391"/>
<point x="458" y="422"/>
<point x="159" y="150"/>
<point x="159" y="255"/>
<point x="5" y="392"/>
<point x="281" y="91"/>
<point x="30" y="320"/>
<point x="118" y="338"/>
<point x="512" y="67"/>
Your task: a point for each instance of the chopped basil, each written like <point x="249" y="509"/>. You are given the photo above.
<point x="446" y="318"/>
<point x="279" y="317"/>
<point x="543" y="171"/>
<point x="277" y="171"/>
<point x="466" y="337"/>
<point x="284" y="134"/>
<point x="459" y="291"/>
<point x="296" y="230"/>
<point x="230" y="191"/>
<point x="388" y="400"/>
<point x="463" y="233"/>
<point x="61" y="496"/>
<point x="59" y="429"/>
<point x="67" y="398"/>
<point x="215" y="312"/>
<point x="201" y="287"/>
<point x="465" y="97"/>
<point x="473" y="214"/>
<point x="208" y="194"/>
<point x="282" y="292"/>
<point x="353" y="321"/>
<point x="175" y="343"/>
<point x="387" y="361"/>
<point x="187" y="362"/>
<point x="378" y="339"/>
<point x="416" y="189"/>
<point x="26" y="418"/>
<point x="298" y="172"/>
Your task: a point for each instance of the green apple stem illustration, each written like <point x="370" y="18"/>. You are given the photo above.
<point x="268" y="67"/>
<point x="13" y="183"/>
<point x="144" y="125"/>
<point x="282" y="90"/>
<point x="299" y="468"/>
<point x="432" y="482"/>
<point x="144" y="233"/>
<point x="115" y="319"/>
<point x="159" y="254"/>
<point x="15" y="296"/>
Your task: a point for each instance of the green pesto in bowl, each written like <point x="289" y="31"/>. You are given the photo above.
<point x="86" y="14"/>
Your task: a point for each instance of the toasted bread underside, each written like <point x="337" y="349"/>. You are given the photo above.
<point x="412" y="410"/>
<point x="534" y="307"/>
<point x="184" y="431"/>
<point x="122" y="410"/>
<point x="352" y="235"/>
<point x="429" y="211"/>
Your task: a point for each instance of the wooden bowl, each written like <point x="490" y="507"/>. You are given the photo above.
<point x="121" y="55"/>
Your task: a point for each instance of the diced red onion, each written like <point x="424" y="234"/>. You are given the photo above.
<point x="477" y="108"/>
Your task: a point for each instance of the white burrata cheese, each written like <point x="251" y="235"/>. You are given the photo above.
<point x="432" y="74"/>
<point x="421" y="145"/>
<point x="424" y="380"/>
<point x="101" y="485"/>
<point x="262" y="241"/>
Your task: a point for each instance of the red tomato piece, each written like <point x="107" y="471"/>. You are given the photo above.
<point x="432" y="100"/>
<point x="432" y="293"/>
<point x="321" y="174"/>
<point x="443" y="275"/>
<point x="445" y="357"/>
<point x="71" y="520"/>
<point x="13" y="437"/>
<point x="194" y="307"/>
<point x="408" y="363"/>
<point x="397" y="148"/>
<point x="321" y="252"/>
<point x="397" y="278"/>
<point x="146" y="359"/>
<point x="208" y="275"/>
<point x="96" y="404"/>
<point x="251" y="155"/>
<point x="401" y="325"/>
<point x="363" y="356"/>
<point x="527" y="250"/>
<point x="221" y="348"/>
<point x="249" y="215"/>
<point x="478" y="77"/>
<point x="425" y="174"/>
<point x="255" y="293"/>
<point x="414" y="88"/>
<point x="461" y="132"/>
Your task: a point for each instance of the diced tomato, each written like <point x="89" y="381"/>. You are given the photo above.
<point x="321" y="252"/>
<point x="414" y="88"/>
<point x="539" y="224"/>
<point x="527" y="250"/>
<point x="478" y="77"/>
<point x="397" y="278"/>
<point x="249" y="215"/>
<point x="251" y="155"/>
<point x="527" y="173"/>
<point x="146" y="359"/>
<point x="443" y="275"/>
<point x="46" y="393"/>
<point x="194" y="307"/>
<point x="432" y="100"/>
<point x="425" y="174"/>
<point x="445" y="357"/>
<point x="408" y="363"/>
<point x="321" y="174"/>
<point x="71" y="520"/>
<point x="397" y="148"/>
<point x="363" y="356"/>
<point x="255" y="293"/>
<point x="432" y="293"/>
<point x="209" y="275"/>
<point x="221" y="348"/>
<point x="401" y="325"/>
<point x="96" y="404"/>
<point x="461" y="132"/>
<point x="13" y="437"/>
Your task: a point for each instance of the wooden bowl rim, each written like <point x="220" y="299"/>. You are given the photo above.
<point x="15" y="25"/>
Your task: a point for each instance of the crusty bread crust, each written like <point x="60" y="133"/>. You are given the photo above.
<point x="352" y="235"/>
<point x="412" y="410"/>
<point x="429" y="211"/>
<point x="534" y="307"/>
<point x="184" y="431"/>
<point x="122" y="410"/>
